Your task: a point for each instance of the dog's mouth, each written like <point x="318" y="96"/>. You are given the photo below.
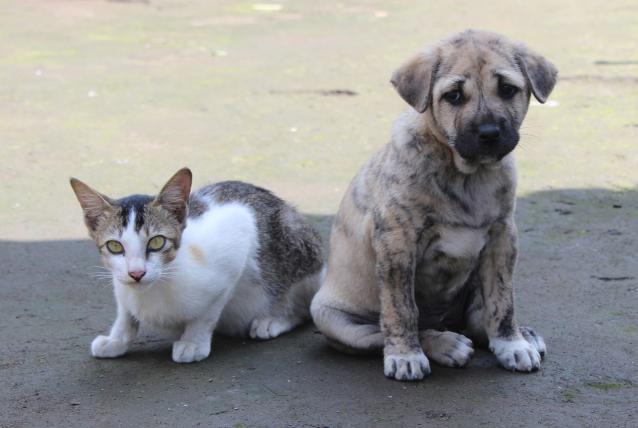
<point x="484" y="159"/>
<point x="475" y="151"/>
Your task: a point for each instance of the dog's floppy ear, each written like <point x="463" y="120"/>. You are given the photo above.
<point x="540" y="73"/>
<point x="414" y="79"/>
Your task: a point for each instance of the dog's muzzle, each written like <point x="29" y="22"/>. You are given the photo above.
<point x="486" y="142"/>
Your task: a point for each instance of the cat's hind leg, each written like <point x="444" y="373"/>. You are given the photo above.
<point x="268" y="327"/>
<point x="287" y="311"/>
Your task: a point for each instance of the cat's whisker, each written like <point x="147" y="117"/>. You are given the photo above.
<point x="100" y="274"/>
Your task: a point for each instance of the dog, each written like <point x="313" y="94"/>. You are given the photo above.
<point x="423" y="247"/>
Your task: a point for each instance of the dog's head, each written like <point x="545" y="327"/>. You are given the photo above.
<point x="476" y="87"/>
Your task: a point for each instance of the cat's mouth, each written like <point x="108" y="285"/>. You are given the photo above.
<point x="139" y="285"/>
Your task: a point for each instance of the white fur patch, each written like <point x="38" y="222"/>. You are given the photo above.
<point x="518" y="355"/>
<point x="189" y="352"/>
<point x="409" y="366"/>
<point x="108" y="347"/>
<point x="461" y="242"/>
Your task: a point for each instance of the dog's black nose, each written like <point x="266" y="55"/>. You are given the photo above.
<point x="488" y="133"/>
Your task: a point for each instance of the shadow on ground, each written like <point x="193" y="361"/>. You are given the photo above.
<point x="577" y="283"/>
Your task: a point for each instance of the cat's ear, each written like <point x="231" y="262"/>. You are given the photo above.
<point x="175" y="193"/>
<point x="93" y="203"/>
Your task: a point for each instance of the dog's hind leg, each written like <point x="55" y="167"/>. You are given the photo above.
<point x="446" y="347"/>
<point x="348" y="332"/>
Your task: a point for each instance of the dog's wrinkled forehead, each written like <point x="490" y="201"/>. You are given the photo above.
<point x="469" y="58"/>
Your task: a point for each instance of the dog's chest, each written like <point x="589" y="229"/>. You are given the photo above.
<point x="458" y="243"/>
<point x="449" y="259"/>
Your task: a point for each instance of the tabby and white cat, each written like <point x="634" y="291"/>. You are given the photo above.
<point x="231" y="257"/>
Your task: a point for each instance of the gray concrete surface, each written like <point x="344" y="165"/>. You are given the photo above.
<point x="122" y="94"/>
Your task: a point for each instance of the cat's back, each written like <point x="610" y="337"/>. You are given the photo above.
<point x="288" y="247"/>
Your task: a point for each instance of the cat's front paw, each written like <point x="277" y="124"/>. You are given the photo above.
<point x="188" y="352"/>
<point x="517" y="355"/>
<point x="108" y="347"/>
<point x="406" y="366"/>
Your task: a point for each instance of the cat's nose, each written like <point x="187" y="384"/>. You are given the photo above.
<point x="137" y="275"/>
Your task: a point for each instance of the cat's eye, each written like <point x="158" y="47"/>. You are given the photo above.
<point x="115" y="247"/>
<point x="156" y="243"/>
<point x="506" y="91"/>
<point x="454" y="97"/>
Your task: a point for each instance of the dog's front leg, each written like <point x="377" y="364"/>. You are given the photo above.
<point x="403" y="358"/>
<point x="496" y="269"/>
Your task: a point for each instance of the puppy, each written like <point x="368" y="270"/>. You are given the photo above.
<point x="423" y="248"/>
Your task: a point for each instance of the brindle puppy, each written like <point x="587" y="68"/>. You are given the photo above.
<point x="424" y="244"/>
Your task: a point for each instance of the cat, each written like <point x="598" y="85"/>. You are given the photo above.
<point x="231" y="257"/>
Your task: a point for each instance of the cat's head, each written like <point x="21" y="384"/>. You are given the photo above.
<point x="137" y="236"/>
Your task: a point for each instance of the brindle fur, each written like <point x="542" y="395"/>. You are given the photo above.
<point x="423" y="246"/>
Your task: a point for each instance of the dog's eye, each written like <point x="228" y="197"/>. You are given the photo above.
<point x="454" y="97"/>
<point x="507" y="91"/>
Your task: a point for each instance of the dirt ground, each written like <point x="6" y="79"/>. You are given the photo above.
<point x="294" y="96"/>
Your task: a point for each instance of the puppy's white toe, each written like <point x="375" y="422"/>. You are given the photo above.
<point x="517" y="355"/>
<point x="447" y="348"/>
<point x="268" y="327"/>
<point x="535" y="340"/>
<point x="188" y="352"/>
<point x="407" y="366"/>
<point x="108" y="347"/>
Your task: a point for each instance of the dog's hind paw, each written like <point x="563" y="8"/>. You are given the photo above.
<point x="407" y="366"/>
<point x="446" y="347"/>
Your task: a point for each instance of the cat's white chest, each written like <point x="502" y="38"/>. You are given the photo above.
<point x="164" y="304"/>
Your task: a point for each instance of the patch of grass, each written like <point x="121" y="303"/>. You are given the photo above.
<point x="631" y="330"/>
<point x="569" y="395"/>
<point x="606" y="386"/>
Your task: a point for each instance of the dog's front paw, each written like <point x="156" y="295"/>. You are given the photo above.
<point x="518" y="354"/>
<point x="188" y="352"/>
<point x="447" y="348"/>
<point x="535" y="340"/>
<point x="268" y="327"/>
<point x="406" y="366"/>
<point x="108" y="347"/>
